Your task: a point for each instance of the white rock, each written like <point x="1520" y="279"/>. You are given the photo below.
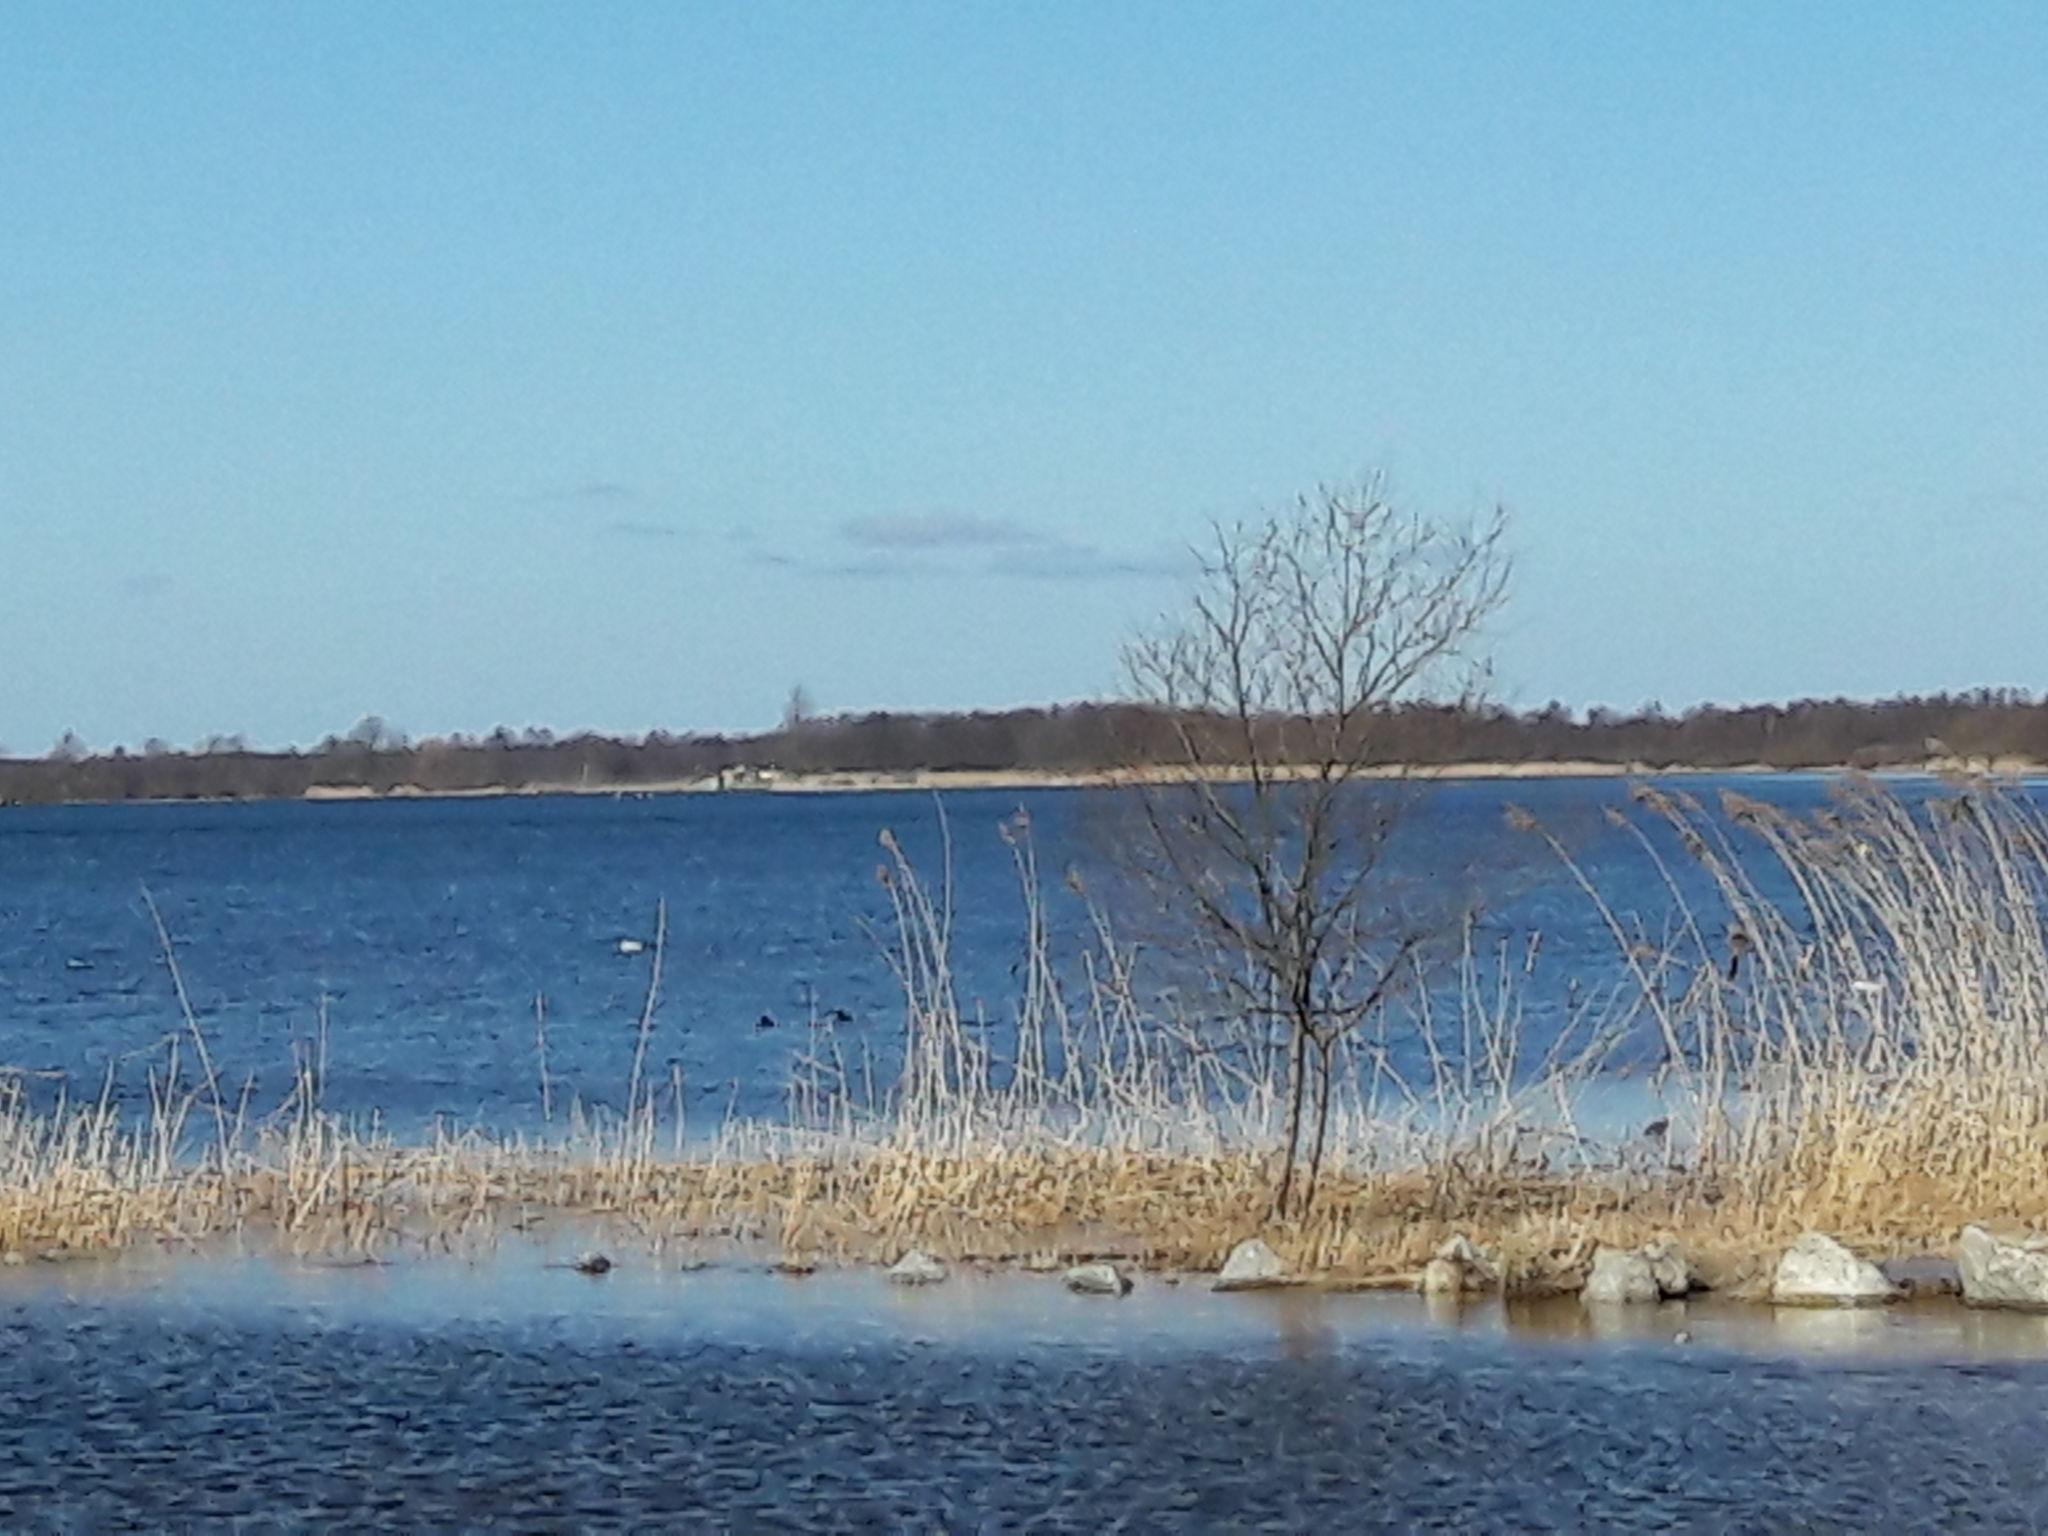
<point x="1443" y="1277"/>
<point x="1672" y="1268"/>
<point x="1251" y="1265"/>
<point x="916" y="1268"/>
<point x="1817" y="1271"/>
<point x="2003" y="1272"/>
<point x="1098" y="1280"/>
<point x="1460" y="1266"/>
<point x="1622" y="1277"/>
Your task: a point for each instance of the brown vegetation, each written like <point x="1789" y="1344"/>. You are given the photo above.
<point x="1876" y="1066"/>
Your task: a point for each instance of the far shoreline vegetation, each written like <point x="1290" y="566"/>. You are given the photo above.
<point x="1998" y="730"/>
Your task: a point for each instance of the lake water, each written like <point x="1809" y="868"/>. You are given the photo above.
<point x="258" y="1393"/>
<point x="443" y="1396"/>
<point x="427" y="929"/>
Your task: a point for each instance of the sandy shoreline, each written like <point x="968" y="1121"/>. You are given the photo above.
<point x="781" y="782"/>
<point x="864" y="782"/>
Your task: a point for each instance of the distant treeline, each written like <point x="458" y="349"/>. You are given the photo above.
<point x="1068" y="739"/>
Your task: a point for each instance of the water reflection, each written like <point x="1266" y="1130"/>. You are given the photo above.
<point x="525" y="1285"/>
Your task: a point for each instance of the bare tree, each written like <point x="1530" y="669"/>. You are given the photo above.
<point x="1264" y="835"/>
<point x="798" y="708"/>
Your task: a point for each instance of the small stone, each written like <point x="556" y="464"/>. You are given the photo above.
<point x="1817" y="1271"/>
<point x="916" y="1268"/>
<point x="591" y="1264"/>
<point x="1251" y="1266"/>
<point x="1683" y="1336"/>
<point x="1098" y="1280"/>
<point x="2003" y="1272"/>
<point x="1621" y="1277"/>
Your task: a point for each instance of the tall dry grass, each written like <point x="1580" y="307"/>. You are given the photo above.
<point x="1853" y="1012"/>
<point x="1847" y="1010"/>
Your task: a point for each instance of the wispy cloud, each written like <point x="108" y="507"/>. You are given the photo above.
<point x="938" y="530"/>
<point x="947" y="547"/>
<point x="1082" y="562"/>
<point x="644" y="528"/>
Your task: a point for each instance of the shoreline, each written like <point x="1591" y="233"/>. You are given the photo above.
<point x="940" y="780"/>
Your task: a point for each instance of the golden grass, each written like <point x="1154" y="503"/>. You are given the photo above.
<point x="1876" y="1066"/>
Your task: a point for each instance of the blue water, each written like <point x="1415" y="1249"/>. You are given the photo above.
<point x="427" y="929"/>
<point x="438" y="1397"/>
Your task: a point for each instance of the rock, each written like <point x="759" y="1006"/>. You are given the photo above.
<point x="12" y="1258"/>
<point x="1817" y="1271"/>
<point x="1098" y="1280"/>
<point x="1460" y="1267"/>
<point x="1675" y="1275"/>
<point x="591" y="1264"/>
<point x="1622" y="1277"/>
<point x="2003" y="1272"/>
<point x="916" y="1268"/>
<point x="1681" y="1337"/>
<point x="1251" y="1265"/>
<point x="1443" y="1277"/>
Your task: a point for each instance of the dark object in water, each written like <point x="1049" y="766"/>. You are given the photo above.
<point x="766" y="1021"/>
<point x="592" y="1264"/>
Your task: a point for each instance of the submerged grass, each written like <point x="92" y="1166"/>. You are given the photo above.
<point x="1849" y="1012"/>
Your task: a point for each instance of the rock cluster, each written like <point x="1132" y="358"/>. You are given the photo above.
<point x="1638" y="1276"/>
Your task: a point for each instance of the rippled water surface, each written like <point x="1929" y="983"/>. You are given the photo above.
<point x="440" y="1397"/>
<point x="427" y="930"/>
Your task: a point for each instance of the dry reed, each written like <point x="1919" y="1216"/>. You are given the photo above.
<point x="1848" y="1010"/>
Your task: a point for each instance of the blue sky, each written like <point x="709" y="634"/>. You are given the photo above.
<point x="621" y="365"/>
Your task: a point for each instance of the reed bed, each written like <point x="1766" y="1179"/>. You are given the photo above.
<point x="1848" y="1015"/>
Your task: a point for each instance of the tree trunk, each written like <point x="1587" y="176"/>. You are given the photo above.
<point x="1297" y="1075"/>
<point x="1315" y="1161"/>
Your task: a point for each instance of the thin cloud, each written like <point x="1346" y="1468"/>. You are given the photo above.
<point x="644" y="528"/>
<point x="937" y="530"/>
<point x="1081" y="562"/>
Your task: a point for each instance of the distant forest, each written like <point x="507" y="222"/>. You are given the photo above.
<point x="1990" y="724"/>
